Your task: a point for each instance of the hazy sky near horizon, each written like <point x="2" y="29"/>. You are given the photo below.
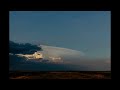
<point x="86" y="31"/>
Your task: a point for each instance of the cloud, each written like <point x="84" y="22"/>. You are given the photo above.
<point x="27" y="48"/>
<point x="60" y="52"/>
<point x="18" y="63"/>
<point x="71" y="60"/>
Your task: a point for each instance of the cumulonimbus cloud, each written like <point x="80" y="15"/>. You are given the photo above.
<point x="71" y="60"/>
<point x="51" y="51"/>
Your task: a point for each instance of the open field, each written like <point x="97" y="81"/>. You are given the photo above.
<point x="60" y="75"/>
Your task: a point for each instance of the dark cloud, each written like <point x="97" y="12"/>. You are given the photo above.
<point x="70" y="63"/>
<point x="19" y="63"/>
<point x="26" y="48"/>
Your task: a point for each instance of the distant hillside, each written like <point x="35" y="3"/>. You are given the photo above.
<point x="26" y="48"/>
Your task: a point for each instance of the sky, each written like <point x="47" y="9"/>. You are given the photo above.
<point x="86" y="31"/>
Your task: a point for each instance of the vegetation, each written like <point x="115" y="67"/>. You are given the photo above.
<point x="61" y="75"/>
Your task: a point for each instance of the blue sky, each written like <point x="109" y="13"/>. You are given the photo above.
<point x="86" y="31"/>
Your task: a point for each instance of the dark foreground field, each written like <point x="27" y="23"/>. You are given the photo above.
<point x="60" y="75"/>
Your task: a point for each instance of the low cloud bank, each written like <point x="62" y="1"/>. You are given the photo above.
<point x="72" y="60"/>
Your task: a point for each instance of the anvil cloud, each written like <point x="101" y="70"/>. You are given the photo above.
<point x="64" y="53"/>
<point x="69" y="60"/>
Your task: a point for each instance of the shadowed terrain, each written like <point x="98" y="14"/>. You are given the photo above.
<point x="60" y="75"/>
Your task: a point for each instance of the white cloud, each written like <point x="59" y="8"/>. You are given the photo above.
<point x="58" y="52"/>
